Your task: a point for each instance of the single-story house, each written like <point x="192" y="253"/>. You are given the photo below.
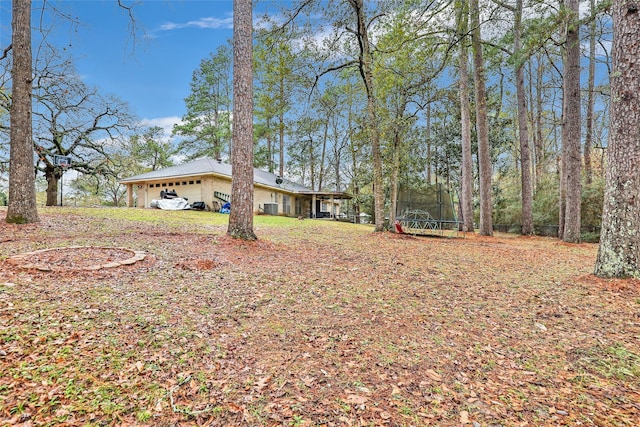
<point x="209" y="181"/>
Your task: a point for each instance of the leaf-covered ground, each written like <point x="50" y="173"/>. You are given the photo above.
<point x="317" y="323"/>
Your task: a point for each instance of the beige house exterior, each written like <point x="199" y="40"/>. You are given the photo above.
<point x="209" y="181"/>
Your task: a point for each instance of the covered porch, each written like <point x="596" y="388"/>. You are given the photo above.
<point x="324" y="204"/>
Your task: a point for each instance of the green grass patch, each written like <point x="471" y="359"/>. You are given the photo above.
<point x="615" y="361"/>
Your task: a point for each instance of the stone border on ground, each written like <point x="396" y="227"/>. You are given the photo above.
<point x="22" y="260"/>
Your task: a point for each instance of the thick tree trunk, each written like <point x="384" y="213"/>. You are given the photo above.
<point x="619" y="252"/>
<point x="22" y="191"/>
<point x="484" y="156"/>
<point x="466" y="196"/>
<point x="571" y="143"/>
<point x="523" y="128"/>
<point x="52" y="176"/>
<point x="366" y="72"/>
<point x="562" y="195"/>
<point x="241" y="217"/>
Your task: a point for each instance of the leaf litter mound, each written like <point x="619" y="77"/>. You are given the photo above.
<point x="316" y="323"/>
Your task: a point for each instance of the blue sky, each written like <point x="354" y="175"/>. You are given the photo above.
<point x="153" y="74"/>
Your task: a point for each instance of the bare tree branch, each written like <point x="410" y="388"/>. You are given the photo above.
<point x="6" y="51"/>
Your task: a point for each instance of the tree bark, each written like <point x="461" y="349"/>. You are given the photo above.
<point x="619" y="251"/>
<point x="281" y="129"/>
<point x="366" y="72"/>
<point x="588" y="138"/>
<point x="466" y="199"/>
<point x="538" y="138"/>
<point x="52" y="175"/>
<point x="571" y="143"/>
<point x="427" y="135"/>
<point x="484" y="156"/>
<point x="22" y="207"/>
<point x="395" y="173"/>
<point x="523" y="127"/>
<point x="241" y="217"/>
<point x="323" y="155"/>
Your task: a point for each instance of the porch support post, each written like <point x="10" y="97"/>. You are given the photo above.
<point x="313" y="206"/>
<point x="333" y="208"/>
<point x="129" y="195"/>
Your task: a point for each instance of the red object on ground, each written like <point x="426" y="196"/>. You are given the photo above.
<point x="399" y="229"/>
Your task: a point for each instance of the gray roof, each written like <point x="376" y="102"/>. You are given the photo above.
<point x="208" y="166"/>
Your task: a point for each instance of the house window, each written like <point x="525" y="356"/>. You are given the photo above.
<point x="177" y="184"/>
<point x="190" y="182"/>
<point x="325" y="207"/>
<point x="286" y="205"/>
<point x="164" y="184"/>
<point x="184" y="182"/>
<point x="198" y="182"/>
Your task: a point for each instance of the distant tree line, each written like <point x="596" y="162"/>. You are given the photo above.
<point x="486" y="97"/>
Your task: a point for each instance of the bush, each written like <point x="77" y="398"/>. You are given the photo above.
<point x="545" y="201"/>
<point x="507" y="206"/>
<point x="592" y="201"/>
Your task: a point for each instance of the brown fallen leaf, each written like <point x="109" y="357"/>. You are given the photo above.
<point x="434" y="375"/>
<point x="262" y="382"/>
<point x="354" y="399"/>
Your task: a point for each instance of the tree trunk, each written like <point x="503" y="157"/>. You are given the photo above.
<point x="337" y="161"/>
<point x="281" y="130"/>
<point x="241" y="217"/>
<point x="356" y="205"/>
<point x="539" y="139"/>
<point x="571" y="151"/>
<point x="394" y="175"/>
<point x="523" y="127"/>
<point x="428" y="137"/>
<point x="270" y="156"/>
<point x="466" y="196"/>
<point x="366" y="72"/>
<point x="619" y="252"/>
<point x="312" y="168"/>
<point x="588" y="138"/>
<point x="562" y="195"/>
<point x="52" y="175"/>
<point x="323" y="155"/>
<point x="484" y="156"/>
<point x="22" y="191"/>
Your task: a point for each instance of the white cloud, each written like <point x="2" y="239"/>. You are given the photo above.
<point x="166" y="123"/>
<point x="206" y="23"/>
